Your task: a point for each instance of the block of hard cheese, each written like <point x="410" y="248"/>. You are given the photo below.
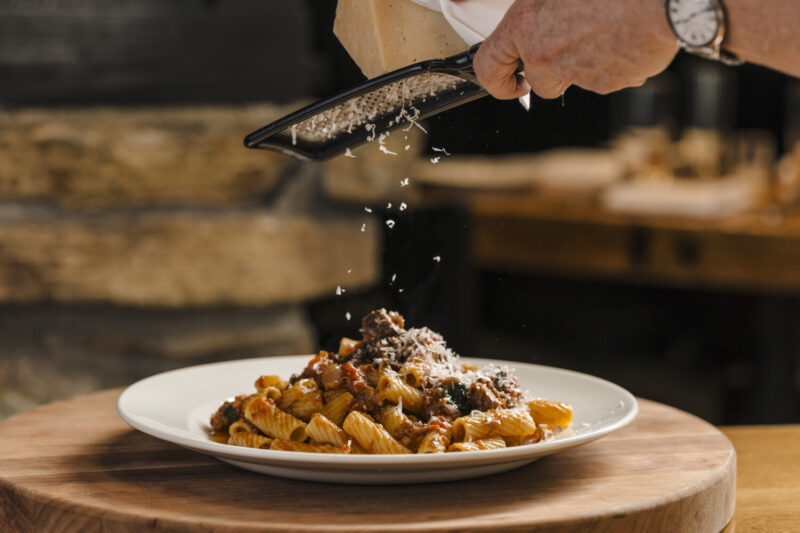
<point x="384" y="35"/>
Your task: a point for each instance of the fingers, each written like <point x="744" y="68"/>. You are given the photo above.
<point x="496" y="68"/>
<point x="496" y="65"/>
<point x="544" y="84"/>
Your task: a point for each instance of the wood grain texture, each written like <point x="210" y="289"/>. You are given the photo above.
<point x="767" y="488"/>
<point x="551" y="234"/>
<point x="75" y="466"/>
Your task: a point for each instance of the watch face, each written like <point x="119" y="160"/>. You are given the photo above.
<point x="695" y="22"/>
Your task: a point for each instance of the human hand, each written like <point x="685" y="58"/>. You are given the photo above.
<point x="599" y="45"/>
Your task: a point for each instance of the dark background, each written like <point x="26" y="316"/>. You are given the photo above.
<point x="699" y="349"/>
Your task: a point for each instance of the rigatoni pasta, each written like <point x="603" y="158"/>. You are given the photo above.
<point x="336" y="408"/>
<point x="550" y="413"/>
<point x="266" y="416"/>
<point x="494" y="423"/>
<point x="292" y="446"/>
<point x="370" y="435"/>
<point x="249" y="439"/>
<point x="322" y="430"/>
<point x="475" y="445"/>
<point x="395" y="391"/>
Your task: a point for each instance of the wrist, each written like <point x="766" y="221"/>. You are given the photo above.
<point x="662" y="32"/>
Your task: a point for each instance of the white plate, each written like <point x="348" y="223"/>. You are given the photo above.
<point x="175" y="406"/>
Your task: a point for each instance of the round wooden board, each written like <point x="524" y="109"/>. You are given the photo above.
<point x="74" y="466"/>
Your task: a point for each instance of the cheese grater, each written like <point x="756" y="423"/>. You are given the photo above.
<point x="371" y="110"/>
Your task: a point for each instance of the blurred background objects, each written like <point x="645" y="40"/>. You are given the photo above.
<point x="651" y="237"/>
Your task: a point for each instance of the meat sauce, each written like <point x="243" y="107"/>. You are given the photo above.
<point x="449" y="388"/>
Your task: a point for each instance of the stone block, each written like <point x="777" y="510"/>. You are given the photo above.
<point x="101" y="158"/>
<point x="192" y="257"/>
<point x="48" y="353"/>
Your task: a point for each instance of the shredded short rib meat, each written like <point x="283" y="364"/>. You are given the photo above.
<point x="315" y="369"/>
<point x="228" y="413"/>
<point x="496" y="392"/>
<point x="380" y="324"/>
<point x="438" y="403"/>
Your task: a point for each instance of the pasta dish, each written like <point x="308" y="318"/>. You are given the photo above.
<point x="396" y="390"/>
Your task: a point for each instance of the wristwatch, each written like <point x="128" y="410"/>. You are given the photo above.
<point x="700" y="26"/>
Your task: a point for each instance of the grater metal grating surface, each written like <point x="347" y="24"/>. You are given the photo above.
<point x="400" y="101"/>
<point x="372" y="109"/>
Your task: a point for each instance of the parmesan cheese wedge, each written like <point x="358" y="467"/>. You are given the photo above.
<point x="383" y="35"/>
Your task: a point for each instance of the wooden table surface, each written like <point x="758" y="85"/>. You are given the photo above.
<point x="548" y="233"/>
<point x="768" y="482"/>
<point x="104" y="461"/>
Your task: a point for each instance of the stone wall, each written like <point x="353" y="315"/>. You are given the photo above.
<point x="134" y="241"/>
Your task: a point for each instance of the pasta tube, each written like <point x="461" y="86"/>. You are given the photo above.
<point x="335" y="409"/>
<point x="392" y="388"/>
<point x="242" y="425"/>
<point x="301" y="388"/>
<point x="415" y="374"/>
<point x="291" y="446"/>
<point x="493" y="423"/>
<point x="371" y="436"/>
<point x="302" y="399"/>
<point x="274" y="422"/>
<point x="265" y="382"/>
<point x="393" y="416"/>
<point x="435" y="441"/>
<point x="270" y="386"/>
<point x="550" y="413"/>
<point x="249" y="439"/>
<point x="307" y="405"/>
<point x="398" y="425"/>
<point x="324" y="431"/>
<point x="483" y="444"/>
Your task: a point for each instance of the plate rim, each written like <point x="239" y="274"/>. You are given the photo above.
<point x="389" y="461"/>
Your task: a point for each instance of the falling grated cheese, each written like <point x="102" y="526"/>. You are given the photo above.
<point x="367" y="209"/>
<point x="382" y="143"/>
<point x="348" y="316"/>
<point x="435" y="160"/>
<point x="348" y="153"/>
<point x="403" y="206"/>
<point x="390" y="223"/>
<point x="404" y="182"/>
<point x="371" y="128"/>
<point x="437" y="258"/>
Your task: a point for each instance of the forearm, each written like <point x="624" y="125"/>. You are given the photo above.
<point x="766" y="32"/>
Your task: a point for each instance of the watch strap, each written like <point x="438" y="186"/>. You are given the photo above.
<point x="720" y="55"/>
